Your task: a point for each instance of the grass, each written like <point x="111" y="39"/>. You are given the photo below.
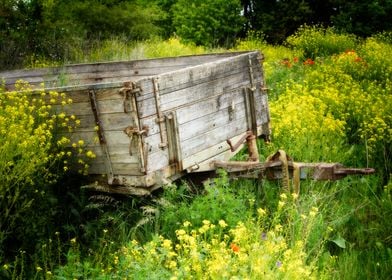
<point x="330" y="100"/>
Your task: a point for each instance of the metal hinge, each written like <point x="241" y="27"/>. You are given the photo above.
<point x="173" y="141"/>
<point x="263" y="87"/>
<point x="136" y="134"/>
<point x="250" y="107"/>
<point x="160" y="117"/>
<point x="129" y="89"/>
<point x="101" y="135"/>
<point x="132" y="131"/>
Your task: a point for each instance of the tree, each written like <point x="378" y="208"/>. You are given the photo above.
<point x="277" y="19"/>
<point x="208" y="23"/>
<point x="363" y="17"/>
<point x="51" y="28"/>
<point x="134" y="19"/>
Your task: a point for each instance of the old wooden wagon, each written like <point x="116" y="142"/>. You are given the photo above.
<point x="158" y="119"/>
<point x="152" y="121"/>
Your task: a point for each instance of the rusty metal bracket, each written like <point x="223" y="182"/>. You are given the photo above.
<point x="250" y="103"/>
<point x="101" y="135"/>
<point x="250" y="109"/>
<point x="251" y="76"/>
<point x="251" y="141"/>
<point x="282" y="167"/>
<point x="130" y="88"/>
<point x="330" y="171"/>
<point x="160" y="117"/>
<point x="131" y="131"/>
<point x="134" y="133"/>
<point x="231" y="110"/>
<point x="173" y="140"/>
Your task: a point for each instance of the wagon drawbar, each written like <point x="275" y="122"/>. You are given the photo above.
<point x="152" y="121"/>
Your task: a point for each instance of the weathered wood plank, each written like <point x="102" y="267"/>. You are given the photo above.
<point x="202" y="117"/>
<point x="119" y="148"/>
<point x="209" y="153"/>
<point x="119" y="156"/>
<point x="201" y="112"/>
<point x="109" y="121"/>
<point x="220" y="119"/>
<point x="82" y="108"/>
<point x="173" y="81"/>
<point x="120" y="120"/>
<point x="262" y="109"/>
<point x="213" y="137"/>
<point x="191" y="94"/>
<point x="157" y="160"/>
<point x="90" y="138"/>
<point x="106" y="71"/>
<point x="209" y="106"/>
<point x="174" y="98"/>
<point x="80" y="96"/>
<point x="118" y="168"/>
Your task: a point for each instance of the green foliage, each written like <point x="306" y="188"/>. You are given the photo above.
<point x="26" y="140"/>
<point x="350" y="89"/>
<point x="385" y="37"/>
<point x="59" y="30"/>
<point x="32" y="158"/>
<point x="278" y="19"/>
<point x="363" y="17"/>
<point x="220" y="201"/>
<point x="170" y="47"/>
<point x="209" y="24"/>
<point x="319" y="42"/>
<point x="103" y="19"/>
<point x="255" y="244"/>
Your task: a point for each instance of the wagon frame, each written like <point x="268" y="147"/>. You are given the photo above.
<point x="152" y="121"/>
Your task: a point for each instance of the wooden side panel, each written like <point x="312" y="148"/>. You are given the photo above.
<point x="124" y="154"/>
<point x="204" y="93"/>
<point x="208" y="101"/>
<point x="105" y="72"/>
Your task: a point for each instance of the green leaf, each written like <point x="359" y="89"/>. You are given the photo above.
<point x="340" y="241"/>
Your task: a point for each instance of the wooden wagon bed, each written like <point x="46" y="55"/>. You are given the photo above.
<point x="152" y="121"/>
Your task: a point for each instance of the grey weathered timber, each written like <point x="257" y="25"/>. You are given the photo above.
<point x="158" y="119"/>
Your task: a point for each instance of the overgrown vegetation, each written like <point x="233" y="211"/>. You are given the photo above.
<point x="328" y="103"/>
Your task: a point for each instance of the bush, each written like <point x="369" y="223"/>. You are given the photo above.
<point x="272" y="242"/>
<point x="316" y="42"/>
<point x="347" y="95"/>
<point x="214" y="24"/>
<point x="32" y="158"/>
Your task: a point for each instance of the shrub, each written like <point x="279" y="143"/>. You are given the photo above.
<point x="32" y="158"/>
<point x="315" y="41"/>
<point x="260" y="246"/>
<point x="347" y="97"/>
<point x="214" y="24"/>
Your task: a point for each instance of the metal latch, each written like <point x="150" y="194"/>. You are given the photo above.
<point x="136" y="134"/>
<point x="160" y="116"/>
<point x="130" y="88"/>
<point x="134" y="131"/>
<point x="131" y="131"/>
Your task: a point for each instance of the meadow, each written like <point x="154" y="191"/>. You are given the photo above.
<point x="330" y="98"/>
